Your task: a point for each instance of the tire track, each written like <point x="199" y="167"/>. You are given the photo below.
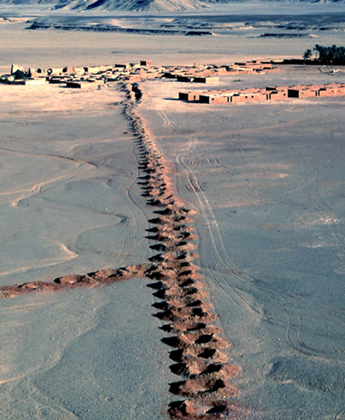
<point x="184" y="304"/>
<point x="240" y="283"/>
<point x="198" y="349"/>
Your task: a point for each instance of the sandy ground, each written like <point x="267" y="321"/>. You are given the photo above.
<point x="267" y="181"/>
<point x="66" y="153"/>
<point x="60" y="48"/>
<point x="69" y="205"/>
<point x="83" y="355"/>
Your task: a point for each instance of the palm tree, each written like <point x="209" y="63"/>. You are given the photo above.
<point x="317" y="51"/>
<point x="307" y="54"/>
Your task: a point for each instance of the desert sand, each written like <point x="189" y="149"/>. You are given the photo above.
<point x="233" y="215"/>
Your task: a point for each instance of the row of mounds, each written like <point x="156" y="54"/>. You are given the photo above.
<point x="75" y="281"/>
<point x="183" y="304"/>
<point x="269" y="93"/>
<point x="201" y="410"/>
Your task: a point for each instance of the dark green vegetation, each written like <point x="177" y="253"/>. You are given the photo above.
<point x="326" y="55"/>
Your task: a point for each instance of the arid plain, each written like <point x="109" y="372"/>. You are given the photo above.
<point x="266" y="181"/>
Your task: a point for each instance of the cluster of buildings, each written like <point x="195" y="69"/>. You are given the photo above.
<point x="82" y="77"/>
<point x="210" y="73"/>
<point x="96" y="76"/>
<point x="265" y="94"/>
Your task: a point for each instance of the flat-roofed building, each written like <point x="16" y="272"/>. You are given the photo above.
<point x="206" y="79"/>
<point x="185" y="78"/>
<point x="277" y="94"/>
<point x="189" y="96"/>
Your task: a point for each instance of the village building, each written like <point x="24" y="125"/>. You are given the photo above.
<point x="35" y="82"/>
<point x="268" y="94"/>
<point x="206" y="79"/>
<point x="83" y="85"/>
<point x="95" y="77"/>
<point x="189" y="96"/>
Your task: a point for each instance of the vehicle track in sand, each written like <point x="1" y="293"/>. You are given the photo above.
<point x="183" y="303"/>
<point x="237" y="283"/>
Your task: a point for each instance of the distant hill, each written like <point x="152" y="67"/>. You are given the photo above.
<point x="120" y="5"/>
<point x="133" y="5"/>
<point x="157" y="5"/>
<point x="145" y="5"/>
